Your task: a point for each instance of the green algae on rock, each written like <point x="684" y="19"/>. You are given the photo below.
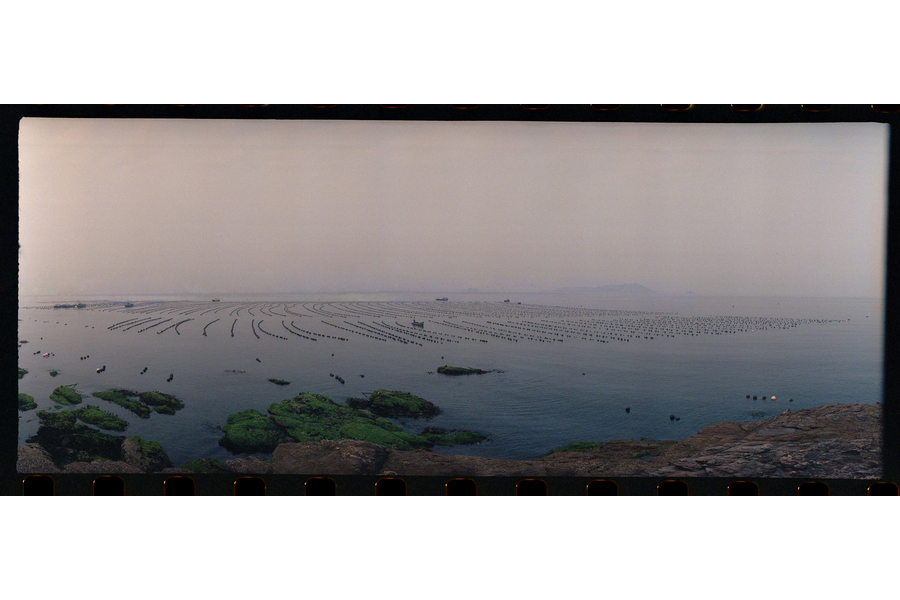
<point x="102" y="419"/>
<point x="26" y="402"/>
<point x="311" y="417"/>
<point x="65" y="395"/>
<point x="146" y="455"/>
<point x="251" y="431"/>
<point x="123" y="399"/>
<point x="22" y="372"/>
<point x="396" y="405"/>
<point x="161" y="403"/>
<point x="447" y="370"/>
<point x="54" y="373"/>
<point x="67" y="441"/>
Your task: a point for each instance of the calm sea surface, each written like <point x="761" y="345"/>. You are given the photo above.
<point x="560" y="379"/>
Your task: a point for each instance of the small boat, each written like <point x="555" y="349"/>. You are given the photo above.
<point x="45" y="354"/>
<point x="418" y="323"/>
<point x="444" y="299"/>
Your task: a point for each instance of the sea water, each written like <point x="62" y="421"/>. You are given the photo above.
<point x="547" y="389"/>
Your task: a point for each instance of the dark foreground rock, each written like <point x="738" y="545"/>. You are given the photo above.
<point x="841" y="441"/>
<point x="62" y="444"/>
<point x="396" y="405"/>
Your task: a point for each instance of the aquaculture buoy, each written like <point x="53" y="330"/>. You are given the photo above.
<point x="671" y="417"/>
<point x="773" y="398"/>
<point x="627" y="409"/>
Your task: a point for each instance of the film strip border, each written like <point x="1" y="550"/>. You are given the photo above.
<point x="13" y="483"/>
<point x="299" y="485"/>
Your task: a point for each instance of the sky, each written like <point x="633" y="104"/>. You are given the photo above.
<point x="246" y="206"/>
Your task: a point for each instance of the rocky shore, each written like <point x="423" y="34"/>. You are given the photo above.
<point x="839" y="441"/>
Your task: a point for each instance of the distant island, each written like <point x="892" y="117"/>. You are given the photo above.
<point x="622" y="288"/>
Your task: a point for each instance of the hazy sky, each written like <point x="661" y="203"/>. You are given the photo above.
<point x="205" y="206"/>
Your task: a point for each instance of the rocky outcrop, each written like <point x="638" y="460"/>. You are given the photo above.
<point x="841" y="441"/>
<point x="145" y="455"/>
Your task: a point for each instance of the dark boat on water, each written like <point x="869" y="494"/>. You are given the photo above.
<point x="444" y="299"/>
<point x="418" y="323"/>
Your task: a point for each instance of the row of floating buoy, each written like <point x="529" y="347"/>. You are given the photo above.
<point x="84" y="357"/>
<point x="281" y="337"/>
<point x="144" y="371"/>
<point x="764" y="397"/>
<point x="338" y="377"/>
<point x="170" y="378"/>
<point x="153" y="325"/>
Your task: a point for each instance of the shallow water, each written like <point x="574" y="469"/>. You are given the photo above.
<point x="548" y="393"/>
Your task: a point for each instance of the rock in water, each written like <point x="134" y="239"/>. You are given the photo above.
<point x="146" y="456"/>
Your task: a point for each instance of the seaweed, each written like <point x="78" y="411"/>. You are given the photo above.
<point x="161" y="403"/>
<point x="26" y="402"/>
<point x="121" y="397"/>
<point x="65" y="395"/>
<point x="396" y="405"/>
<point x="102" y="419"/>
<point x="310" y="417"/>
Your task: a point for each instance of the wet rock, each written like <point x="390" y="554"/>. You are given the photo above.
<point x="205" y="465"/>
<point x="251" y="431"/>
<point x="102" y="419"/>
<point x="65" y="395"/>
<point x="313" y="417"/>
<point x="328" y="456"/>
<point x="26" y="402"/>
<point x="145" y="455"/>
<point x="67" y="441"/>
<point x="102" y="467"/>
<point x="396" y="405"/>
<point x="125" y="399"/>
<point x="453" y="371"/>
<point x="34" y="459"/>
<point x="249" y="466"/>
<point x="161" y="403"/>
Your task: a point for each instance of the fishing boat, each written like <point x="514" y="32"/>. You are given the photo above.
<point x="444" y="299"/>
<point x="418" y="323"/>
